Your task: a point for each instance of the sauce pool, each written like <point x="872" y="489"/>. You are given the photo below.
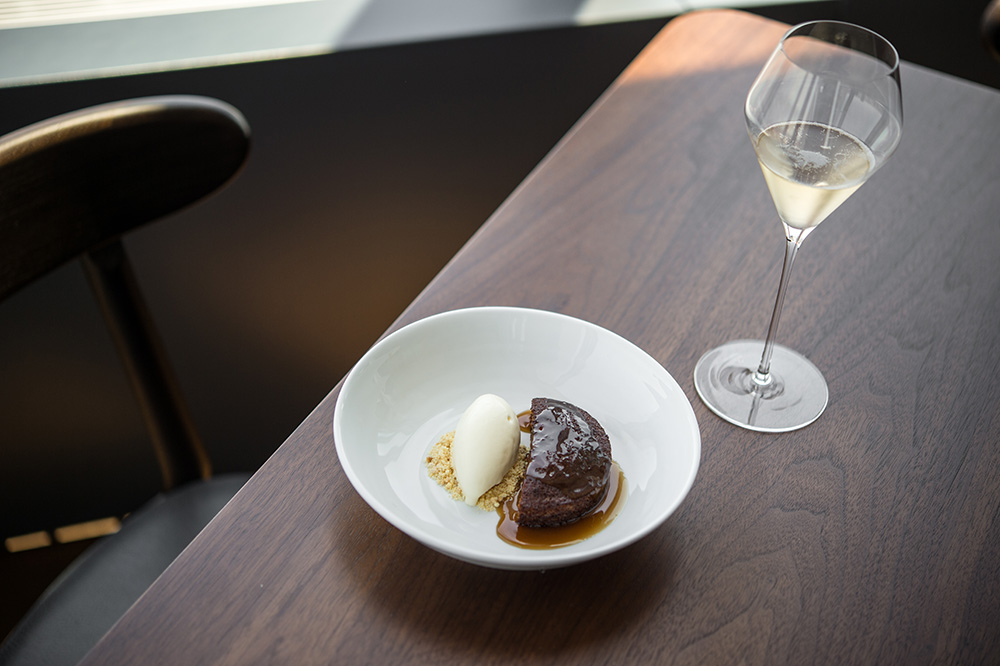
<point x="542" y="538"/>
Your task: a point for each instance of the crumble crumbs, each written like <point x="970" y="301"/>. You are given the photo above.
<point x="439" y="468"/>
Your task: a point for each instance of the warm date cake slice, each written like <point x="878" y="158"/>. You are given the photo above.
<point x="570" y="465"/>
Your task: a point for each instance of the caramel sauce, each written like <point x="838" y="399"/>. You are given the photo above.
<point x="542" y="538"/>
<point x="524" y="420"/>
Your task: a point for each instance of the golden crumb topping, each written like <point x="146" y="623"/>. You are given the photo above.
<point x="439" y="468"/>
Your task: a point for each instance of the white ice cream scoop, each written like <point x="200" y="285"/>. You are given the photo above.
<point x="485" y="445"/>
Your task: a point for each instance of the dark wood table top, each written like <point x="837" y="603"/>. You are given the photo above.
<point x="872" y="536"/>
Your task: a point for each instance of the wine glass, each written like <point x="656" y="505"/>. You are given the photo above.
<point x="823" y="115"/>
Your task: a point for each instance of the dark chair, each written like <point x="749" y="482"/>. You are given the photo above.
<point x="989" y="28"/>
<point x="70" y="187"/>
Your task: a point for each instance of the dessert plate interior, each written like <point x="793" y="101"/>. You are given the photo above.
<point x="413" y="385"/>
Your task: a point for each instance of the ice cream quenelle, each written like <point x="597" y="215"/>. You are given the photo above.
<point x="485" y="446"/>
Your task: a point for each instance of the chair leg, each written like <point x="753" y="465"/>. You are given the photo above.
<point x="178" y="447"/>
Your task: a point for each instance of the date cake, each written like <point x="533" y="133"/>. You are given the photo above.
<point x="570" y="465"/>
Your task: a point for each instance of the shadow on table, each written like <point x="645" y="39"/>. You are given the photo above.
<point x="430" y="605"/>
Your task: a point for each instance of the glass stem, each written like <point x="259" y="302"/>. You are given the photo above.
<point x="762" y="377"/>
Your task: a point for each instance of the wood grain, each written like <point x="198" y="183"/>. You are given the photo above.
<point x="869" y="537"/>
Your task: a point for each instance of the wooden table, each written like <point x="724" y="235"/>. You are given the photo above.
<point x="872" y="536"/>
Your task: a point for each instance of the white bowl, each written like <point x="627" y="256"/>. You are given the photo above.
<point x="412" y="387"/>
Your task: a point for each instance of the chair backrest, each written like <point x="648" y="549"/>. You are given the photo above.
<point x="70" y="187"/>
<point x="70" y="183"/>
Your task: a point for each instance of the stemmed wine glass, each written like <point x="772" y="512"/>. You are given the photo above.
<point x="823" y="115"/>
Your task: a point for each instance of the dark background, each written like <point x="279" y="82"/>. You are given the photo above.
<point x="369" y="170"/>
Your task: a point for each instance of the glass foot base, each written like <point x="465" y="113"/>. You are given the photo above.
<point x="795" y="396"/>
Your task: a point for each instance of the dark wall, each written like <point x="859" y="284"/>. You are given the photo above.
<point x="941" y="35"/>
<point x="944" y="36"/>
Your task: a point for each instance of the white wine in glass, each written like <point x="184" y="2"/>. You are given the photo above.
<point x="823" y="115"/>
